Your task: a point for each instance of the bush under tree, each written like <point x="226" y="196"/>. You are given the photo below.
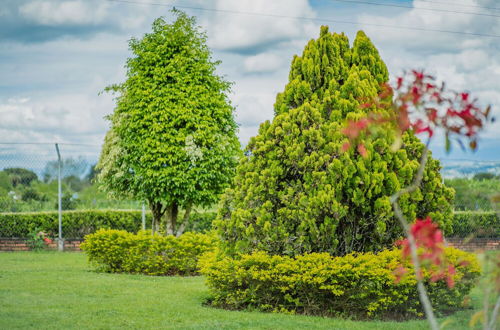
<point x="297" y="191"/>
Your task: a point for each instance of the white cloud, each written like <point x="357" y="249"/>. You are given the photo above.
<point x="463" y="61"/>
<point x="53" y="86"/>
<point x="75" y="12"/>
<point x="241" y="32"/>
<point x="264" y="62"/>
<point x="66" y="118"/>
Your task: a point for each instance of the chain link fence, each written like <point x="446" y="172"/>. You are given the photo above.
<point x="29" y="175"/>
<point x="51" y="180"/>
<point x="47" y="184"/>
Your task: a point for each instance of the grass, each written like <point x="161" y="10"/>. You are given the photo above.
<point x="50" y="290"/>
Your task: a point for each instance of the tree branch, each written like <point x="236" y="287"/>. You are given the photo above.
<point x="422" y="292"/>
<point x="494" y="315"/>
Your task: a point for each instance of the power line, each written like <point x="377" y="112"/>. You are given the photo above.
<point x="458" y="4"/>
<point x="49" y="143"/>
<point x="30" y="143"/>
<point x="358" y="2"/>
<point x="227" y="11"/>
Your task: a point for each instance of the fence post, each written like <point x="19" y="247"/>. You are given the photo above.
<point x="143" y="216"/>
<point x="60" y="242"/>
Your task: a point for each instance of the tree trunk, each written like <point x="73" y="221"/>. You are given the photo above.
<point x="185" y="220"/>
<point x="157" y="212"/>
<point x="172" y="213"/>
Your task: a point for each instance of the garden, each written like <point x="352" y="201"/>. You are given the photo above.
<point x="335" y="215"/>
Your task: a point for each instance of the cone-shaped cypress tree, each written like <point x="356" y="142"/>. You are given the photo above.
<point x="296" y="192"/>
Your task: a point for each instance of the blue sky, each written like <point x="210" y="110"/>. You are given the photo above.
<point x="57" y="55"/>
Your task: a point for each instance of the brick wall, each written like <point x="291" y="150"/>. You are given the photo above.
<point x="475" y="244"/>
<point x="18" y="244"/>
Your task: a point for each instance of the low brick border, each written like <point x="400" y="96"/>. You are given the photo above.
<point x="474" y="244"/>
<point x="20" y="244"/>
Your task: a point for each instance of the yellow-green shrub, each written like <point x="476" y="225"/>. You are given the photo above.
<point x="118" y="251"/>
<point x="361" y="285"/>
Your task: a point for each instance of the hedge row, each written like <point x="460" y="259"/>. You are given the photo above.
<point x="118" y="251"/>
<point x="479" y="224"/>
<point x="77" y="224"/>
<point x="359" y="285"/>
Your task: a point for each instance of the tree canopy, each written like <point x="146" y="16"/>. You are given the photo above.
<point x="172" y="140"/>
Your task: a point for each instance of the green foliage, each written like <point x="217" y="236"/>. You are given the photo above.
<point x="42" y="196"/>
<point x="68" y="202"/>
<point x="355" y="285"/>
<point x="32" y="194"/>
<point x="173" y="138"/>
<point x="297" y="192"/>
<point x="118" y="251"/>
<point x="5" y="182"/>
<point x="473" y="194"/>
<point x="476" y="224"/>
<point x="201" y="222"/>
<point x="20" y="176"/>
<point x="77" y="224"/>
<point x="485" y="176"/>
<point x="35" y="240"/>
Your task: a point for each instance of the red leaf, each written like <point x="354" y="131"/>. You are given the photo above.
<point x="362" y="150"/>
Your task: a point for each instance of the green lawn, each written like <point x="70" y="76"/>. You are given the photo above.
<point x="50" y="290"/>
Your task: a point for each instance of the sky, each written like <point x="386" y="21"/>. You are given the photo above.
<point x="56" y="56"/>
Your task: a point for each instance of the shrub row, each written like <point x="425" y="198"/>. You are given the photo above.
<point x="477" y="224"/>
<point x="118" y="251"/>
<point x="77" y="224"/>
<point x="359" y="285"/>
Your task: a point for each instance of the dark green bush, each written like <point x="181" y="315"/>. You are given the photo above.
<point x="356" y="285"/>
<point x="201" y="222"/>
<point x="118" y="251"/>
<point x="77" y="224"/>
<point x="476" y="224"/>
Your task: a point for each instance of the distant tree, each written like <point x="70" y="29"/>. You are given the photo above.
<point x="484" y="176"/>
<point x="68" y="202"/>
<point x="74" y="183"/>
<point x="5" y="182"/>
<point x="31" y="194"/>
<point x="70" y="166"/>
<point x="20" y="176"/>
<point x="92" y="174"/>
<point x="172" y="140"/>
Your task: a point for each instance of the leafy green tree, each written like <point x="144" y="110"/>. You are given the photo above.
<point x="172" y="140"/>
<point x="20" y="176"/>
<point x="297" y="191"/>
<point x="31" y="194"/>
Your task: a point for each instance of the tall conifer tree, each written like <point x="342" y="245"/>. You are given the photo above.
<point x="297" y="192"/>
